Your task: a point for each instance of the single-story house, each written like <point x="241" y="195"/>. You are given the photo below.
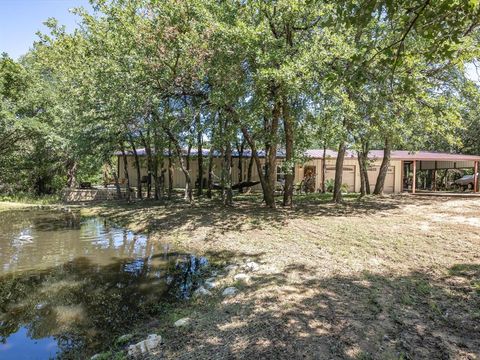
<point x="400" y="176"/>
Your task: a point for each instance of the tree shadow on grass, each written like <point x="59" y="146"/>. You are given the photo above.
<point x="149" y="216"/>
<point x="369" y="316"/>
<point x="282" y="315"/>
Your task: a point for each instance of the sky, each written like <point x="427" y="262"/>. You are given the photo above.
<point x="21" y="19"/>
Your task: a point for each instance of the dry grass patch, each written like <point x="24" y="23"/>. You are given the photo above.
<point x="390" y="278"/>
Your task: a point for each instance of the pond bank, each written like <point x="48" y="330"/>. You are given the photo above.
<point x="18" y="205"/>
<point x="72" y="285"/>
<point x="399" y="269"/>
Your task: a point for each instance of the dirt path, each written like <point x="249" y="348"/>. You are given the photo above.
<point x="380" y="279"/>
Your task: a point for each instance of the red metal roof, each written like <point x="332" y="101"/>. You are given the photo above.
<point x="399" y="155"/>
<point x="424" y="155"/>
<point x="373" y="154"/>
<point x="318" y="153"/>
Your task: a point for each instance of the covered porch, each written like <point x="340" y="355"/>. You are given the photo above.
<point x="426" y="173"/>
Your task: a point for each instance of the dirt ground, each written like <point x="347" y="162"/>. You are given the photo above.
<point x="389" y="278"/>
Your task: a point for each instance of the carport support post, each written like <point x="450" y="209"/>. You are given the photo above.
<point x="414" y="180"/>
<point x="475" y="177"/>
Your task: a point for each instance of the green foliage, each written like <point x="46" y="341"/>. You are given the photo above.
<point x="148" y="73"/>
<point x="330" y="184"/>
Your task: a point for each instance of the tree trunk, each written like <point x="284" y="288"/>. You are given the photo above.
<point x="125" y="170"/>
<point x="157" y="179"/>
<point x="250" y="169"/>
<point x="267" y="177"/>
<point x="138" y="168"/>
<point x="362" y="174"/>
<point x="150" y="165"/>
<point x="324" y="167"/>
<point x="199" y="157"/>
<point x="72" y="167"/>
<point x="210" y="173"/>
<point x="442" y="181"/>
<point x="188" y="179"/>
<point x="337" y="190"/>
<point x="261" y="174"/>
<point x="170" y="170"/>
<point x="365" y="173"/>
<point x="289" y="139"/>
<point x="382" y="174"/>
<point x="227" y="176"/>
<point x="240" y="149"/>
<point x="363" y="167"/>
<point x="271" y="156"/>
<point x="115" y="178"/>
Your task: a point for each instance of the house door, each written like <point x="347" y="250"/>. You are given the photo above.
<point x="309" y="178"/>
<point x="389" y="186"/>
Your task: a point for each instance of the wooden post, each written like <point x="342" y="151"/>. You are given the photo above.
<point x="475" y="177"/>
<point x="414" y="180"/>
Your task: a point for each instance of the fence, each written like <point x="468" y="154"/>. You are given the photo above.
<point x="100" y="194"/>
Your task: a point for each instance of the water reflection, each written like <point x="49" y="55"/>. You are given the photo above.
<point x="71" y="285"/>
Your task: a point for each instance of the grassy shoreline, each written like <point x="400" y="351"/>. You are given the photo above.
<point x="27" y="200"/>
<point x="13" y="205"/>
<point x="392" y="278"/>
<point x="402" y="269"/>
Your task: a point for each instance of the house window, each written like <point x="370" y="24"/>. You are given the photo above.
<point x="280" y="172"/>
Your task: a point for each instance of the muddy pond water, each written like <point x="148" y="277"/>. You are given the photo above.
<point x="70" y="285"/>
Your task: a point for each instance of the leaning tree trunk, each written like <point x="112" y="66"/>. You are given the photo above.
<point x="72" y="167"/>
<point x="250" y="169"/>
<point x="188" y="178"/>
<point x="289" y="138"/>
<point x="382" y="174"/>
<point x="267" y="178"/>
<point x="261" y="175"/>
<point x="337" y="189"/>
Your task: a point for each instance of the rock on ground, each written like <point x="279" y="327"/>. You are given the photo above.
<point x="148" y="346"/>
<point x="201" y="291"/>
<point x="210" y="283"/>
<point x="242" y="277"/>
<point x="230" y="291"/>
<point x="230" y="268"/>
<point x="252" y="266"/>
<point x="182" y="322"/>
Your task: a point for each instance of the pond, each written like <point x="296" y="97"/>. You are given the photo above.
<point x="69" y="285"/>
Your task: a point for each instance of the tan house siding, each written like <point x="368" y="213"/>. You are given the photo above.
<point x="351" y="175"/>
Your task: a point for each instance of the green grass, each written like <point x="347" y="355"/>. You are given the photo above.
<point x="24" y="198"/>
